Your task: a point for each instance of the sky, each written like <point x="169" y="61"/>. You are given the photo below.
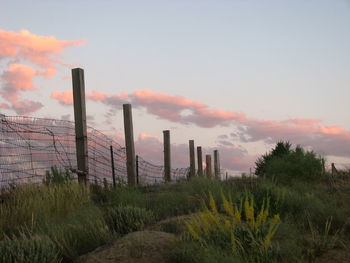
<point x="233" y="75"/>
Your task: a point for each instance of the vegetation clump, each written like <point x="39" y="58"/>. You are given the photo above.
<point x="243" y="229"/>
<point x="126" y="219"/>
<point x="288" y="213"/>
<point x="34" y="249"/>
<point x="285" y="164"/>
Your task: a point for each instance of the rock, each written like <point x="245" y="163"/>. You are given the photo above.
<point x="136" y="247"/>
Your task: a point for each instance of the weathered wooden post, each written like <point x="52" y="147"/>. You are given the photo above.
<point x="216" y="164"/>
<point x="167" y="156"/>
<point x="80" y="124"/>
<point x="112" y="163"/>
<point x="208" y="170"/>
<point x="192" y="159"/>
<point x="129" y="144"/>
<point x="199" y="161"/>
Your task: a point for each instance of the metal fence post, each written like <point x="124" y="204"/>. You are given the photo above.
<point x="113" y="170"/>
<point x="137" y="170"/>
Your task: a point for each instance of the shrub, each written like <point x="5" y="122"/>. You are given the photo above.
<point x="33" y="249"/>
<point x="243" y="229"/>
<point x="285" y="164"/>
<point x="126" y="219"/>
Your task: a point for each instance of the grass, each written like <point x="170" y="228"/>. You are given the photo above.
<point x="238" y="220"/>
<point x="29" y="206"/>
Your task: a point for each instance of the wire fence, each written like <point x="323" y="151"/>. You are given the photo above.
<point x="149" y="173"/>
<point x="30" y="146"/>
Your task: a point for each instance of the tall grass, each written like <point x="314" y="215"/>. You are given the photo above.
<point x="82" y="232"/>
<point x="27" y="248"/>
<point x="31" y="205"/>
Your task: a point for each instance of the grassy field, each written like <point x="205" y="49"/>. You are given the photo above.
<point x="259" y="219"/>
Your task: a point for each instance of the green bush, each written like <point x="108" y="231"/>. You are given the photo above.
<point x="126" y="219"/>
<point x="287" y="165"/>
<point x="28" y="249"/>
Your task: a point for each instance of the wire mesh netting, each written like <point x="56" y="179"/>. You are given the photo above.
<point x="150" y="173"/>
<point x="31" y="146"/>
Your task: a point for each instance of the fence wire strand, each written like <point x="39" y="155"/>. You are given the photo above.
<point x="30" y="146"/>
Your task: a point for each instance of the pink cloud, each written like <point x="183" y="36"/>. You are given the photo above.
<point x="41" y="51"/>
<point x="333" y="140"/>
<point x="65" y="97"/>
<point x="143" y="136"/>
<point x="18" y="78"/>
<point x="95" y="95"/>
<point x="44" y="51"/>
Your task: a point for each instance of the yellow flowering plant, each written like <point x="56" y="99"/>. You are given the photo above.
<point x="242" y="227"/>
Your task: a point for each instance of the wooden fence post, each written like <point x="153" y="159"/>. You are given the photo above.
<point x="199" y="161"/>
<point x="80" y="124"/>
<point x="112" y="163"/>
<point x="208" y="170"/>
<point x="216" y="164"/>
<point x="129" y="144"/>
<point x="192" y="159"/>
<point x="167" y="156"/>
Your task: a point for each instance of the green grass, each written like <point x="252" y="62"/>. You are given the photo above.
<point x="63" y="220"/>
<point x="29" y="206"/>
<point x="27" y="248"/>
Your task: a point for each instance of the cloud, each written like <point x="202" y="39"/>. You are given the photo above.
<point x="64" y="98"/>
<point x="41" y="51"/>
<point x="333" y="140"/>
<point x="18" y="78"/>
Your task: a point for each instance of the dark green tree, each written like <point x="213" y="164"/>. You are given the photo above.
<point x="286" y="164"/>
<point x="281" y="149"/>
